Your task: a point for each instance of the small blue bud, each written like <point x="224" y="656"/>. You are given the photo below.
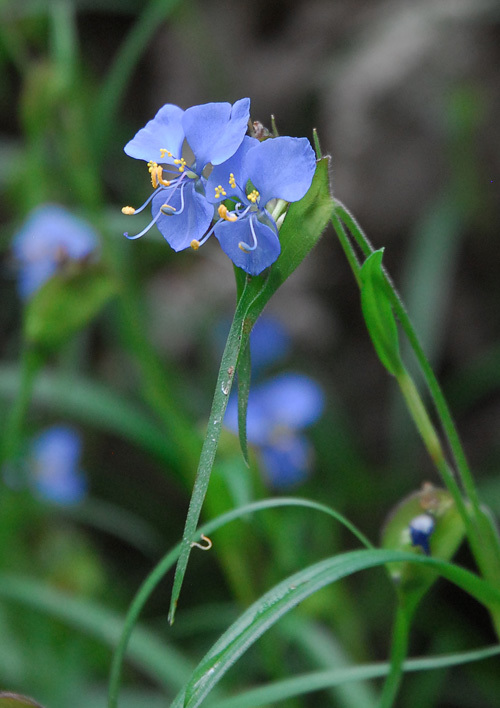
<point x="421" y="529"/>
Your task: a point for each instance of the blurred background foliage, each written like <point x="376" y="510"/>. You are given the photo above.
<point x="405" y="97"/>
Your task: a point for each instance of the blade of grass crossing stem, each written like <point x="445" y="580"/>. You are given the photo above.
<point x="264" y="613"/>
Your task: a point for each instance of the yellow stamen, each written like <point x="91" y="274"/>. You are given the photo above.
<point x="164" y="151"/>
<point x="156" y="172"/>
<point x="225" y="214"/>
<point x="232" y="181"/>
<point x="167" y="206"/>
<point x="253" y="196"/>
<point x="220" y="192"/>
<point x="240" y="246"/>
<point x="182" y="164"/>
<point x="128" y="210"/>
<point x="195" y="244"/>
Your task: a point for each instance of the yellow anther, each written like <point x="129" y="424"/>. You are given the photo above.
<point x="156" y="172"/>
<point x="181" y="163"/>
<point x="253" y="196"/>
<point x="220" y="192"/>
<point x="242" y="248"/>
<point x="164" y="209"/>
<point x="164" y="151"/>
<point x="195" y="244"/>
<point x="232" y="181"/>
<point x="128" y="210"/>
<point x="225" y="214"/>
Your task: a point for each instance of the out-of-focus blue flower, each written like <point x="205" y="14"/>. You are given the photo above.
<point x="421" y="529"/>
<point x="50" y="237"/>
<point x="54" y="466"/>
<point x="257" y="174"/>
<point x="213" y="132"/>
<point x="278" y="411"/>
<point x="269" y="342"/>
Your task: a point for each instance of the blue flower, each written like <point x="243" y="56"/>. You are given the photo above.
<point x="213" y="132"/>
<point x="50" y="237"/>
<point x="54" y="469"/>
<point x="269" y="343"/>
<point x="261" y="177"/>
<point x="421" y="529"/>
<point x="278" y="411"/>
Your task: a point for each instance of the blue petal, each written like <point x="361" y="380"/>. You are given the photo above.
<point x="231" y="233"/>
<point x="179" y="230"/>
<point x="421" y="529"/>
<point x="215" y="131"/>
<point x="50" y="235"/>
<point x="269" y="342"/>
<point x="164" y="131"/>
<point x="220" y="173"/>
<point x="287" y="462"/>
<point x="281" y="168"/>
<point x="54" y="464"/>
<point x="257" y="419"/>
<point x="291" y="401"/>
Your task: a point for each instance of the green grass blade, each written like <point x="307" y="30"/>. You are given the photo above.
<point x="93" y="403"/>
<point x="264" y="613"/>
<point x="160" y="662"/>
<point x="321" y="680"/>
<point x="167" y="562"/>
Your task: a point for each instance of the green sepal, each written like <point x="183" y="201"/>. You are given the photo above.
<point x="66" y="303"/>
<point x="414" y="580"/>
<point x="378" y="314"/>
<point x="14" y="700"/>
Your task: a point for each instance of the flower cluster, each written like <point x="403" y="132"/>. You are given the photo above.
<point x="50" y="238"/>
<point x="256" y="178"/>
<point x="278" y="412"/>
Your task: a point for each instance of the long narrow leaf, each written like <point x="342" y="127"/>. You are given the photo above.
<point x="159" y="661"/>
<point x="321" y="680"/>
<point x="287" y="594"/>
<point x="160" y="570"/>
<point x="92" y="403"/>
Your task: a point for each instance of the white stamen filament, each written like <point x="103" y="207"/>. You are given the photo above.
<point x="245" y="246"/>
<point x="151" y="223"/>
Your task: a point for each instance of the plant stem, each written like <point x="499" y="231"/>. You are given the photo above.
<point x="31" y="361"/>
<point x="481" y="533"/>
<point x="399" y="651"/>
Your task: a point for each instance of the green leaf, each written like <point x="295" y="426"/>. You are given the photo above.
<point x="301" y="230"/>
<point x="277" y="691"/>
<point x="164" y="565"/>
<point x="66" y="303"/>
<point x="157" y="659"/>
<point x="14" y="700"/>
<point x="378" y="313"/>
<point x="244" y="375"/>
<point x="264" y="613"/>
